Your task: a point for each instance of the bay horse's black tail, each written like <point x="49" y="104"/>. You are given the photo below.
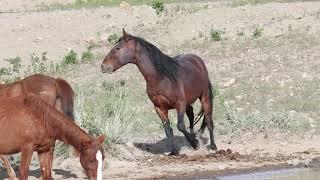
<point x="201" y="112"/>
<point x="66" y="94"/>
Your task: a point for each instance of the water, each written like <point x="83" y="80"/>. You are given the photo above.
<point x="285" y="174"/>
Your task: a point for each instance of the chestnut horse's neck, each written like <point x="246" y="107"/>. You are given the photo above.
<point x="58" y="126"/>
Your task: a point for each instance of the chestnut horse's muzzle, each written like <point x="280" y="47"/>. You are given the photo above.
<point x="106" y="68"/>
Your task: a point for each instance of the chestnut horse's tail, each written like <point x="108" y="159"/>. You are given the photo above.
<point x="66" y="95"/>
<point x="201" y="112"/>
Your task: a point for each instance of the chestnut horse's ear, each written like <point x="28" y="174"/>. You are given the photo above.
<point x="125" y="34"/>
<point x="101" y="138"/>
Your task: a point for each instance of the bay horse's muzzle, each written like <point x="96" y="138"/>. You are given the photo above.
<point x="106" y="68"/>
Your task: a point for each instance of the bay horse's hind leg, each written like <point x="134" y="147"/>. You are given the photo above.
<point x="190" y="114"/>
<point x="10" y="171"/>
<point x="163" y="114"/>
<point x="182" y="128"/>
<point x="206" y="105"/>
<point x="203" y="126"/>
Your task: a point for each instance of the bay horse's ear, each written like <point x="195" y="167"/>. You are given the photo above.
<point x="125" y="34"/>
<point x="101" y="138"/>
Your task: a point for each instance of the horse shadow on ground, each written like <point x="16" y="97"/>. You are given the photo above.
<point x="163" y="146"/>
<point x="36" y="173"/>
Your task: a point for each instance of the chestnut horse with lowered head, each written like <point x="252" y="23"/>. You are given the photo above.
<point x="172" y="83"/>
<point x="30" y="124"/>
<point x="54" y="91"/>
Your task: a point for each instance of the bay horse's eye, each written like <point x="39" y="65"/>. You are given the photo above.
<point x="117" y="48"/>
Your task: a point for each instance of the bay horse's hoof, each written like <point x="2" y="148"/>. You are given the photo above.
<point x="212" y="147"/>
<point x="195" y="144"/>
<point x="174" y="153"/>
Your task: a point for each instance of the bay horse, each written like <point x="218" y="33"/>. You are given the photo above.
<point x="54" y="91"/>
<point x="30" y="124"/>
<point x="172" y="83"/>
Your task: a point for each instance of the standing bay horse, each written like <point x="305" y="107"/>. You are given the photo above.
<point x="172" y="83"/>
<point x="30" y="124"/>
<point x="54" y="91"/>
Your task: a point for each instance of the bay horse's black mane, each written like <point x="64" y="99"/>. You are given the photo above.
<point x="164" y="64"/>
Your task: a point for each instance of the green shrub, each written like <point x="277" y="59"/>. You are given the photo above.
<point x="38" y="64"/>
<point x="70" y="58"/>
<point x="113" y="38"/>
<point x="257" y="32"/>
<point x="15" y="64"/>
<point x="216" y="34"/>
<point x="87" y="55"/>
<point x="158" y="5"/>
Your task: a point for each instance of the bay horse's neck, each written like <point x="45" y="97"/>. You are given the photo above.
<point x="147" y="69"/>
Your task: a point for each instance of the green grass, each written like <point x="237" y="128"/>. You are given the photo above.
<point x="102" y="3"/>
<point x="113" y="38"/>
<point x="254" y="2"/>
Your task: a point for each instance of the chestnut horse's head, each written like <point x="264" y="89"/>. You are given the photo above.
<point x="120" y="55"/>
<point x="91" y="158"/>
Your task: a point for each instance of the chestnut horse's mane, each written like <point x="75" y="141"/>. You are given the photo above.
<point x="164" y="64"/>
<point x="58" y="125"/>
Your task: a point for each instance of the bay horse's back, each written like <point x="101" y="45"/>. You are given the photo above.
<point x="195" y="60"/>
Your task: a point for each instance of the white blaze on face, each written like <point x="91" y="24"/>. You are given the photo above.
<point x="99" y="169"/>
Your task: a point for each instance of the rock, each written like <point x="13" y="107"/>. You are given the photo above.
<point x="294" y="162"/>
<point x="38" y="39"/>
<point x="125" y="5"/>
<point x="222" y="167"/>
<point x="231" y="82"/>
<point x="44" y="26"/>
<point x="109" y="15"/>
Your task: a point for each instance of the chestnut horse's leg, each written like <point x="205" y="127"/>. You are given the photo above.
<point x="190" y="114"/>
<point x="10" y="171"/>
<point x="45" y="159"/>
<point x="181" y="127"/>
<point x="26" y="155"/>
<point x="163" y="114"/>
<point x="205" y="102"/>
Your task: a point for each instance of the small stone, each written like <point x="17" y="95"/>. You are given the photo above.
<point x="231" y="82"/>
<point x="294" y="162"/>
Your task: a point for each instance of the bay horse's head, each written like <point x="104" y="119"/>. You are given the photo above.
<point x="121" y="54"/>
<point x="91" y="158"/>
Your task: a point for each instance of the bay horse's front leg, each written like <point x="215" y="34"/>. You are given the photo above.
<point x="10" y="171"/>
<point x="181" y="127"/>
<point x="163" y="114"/>
<point x="26" y="155"/>
<point x="46" y="159"/>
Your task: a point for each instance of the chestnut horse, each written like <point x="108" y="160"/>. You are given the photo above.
<point x="54" y="91"/>
<point x="172" y="83"/>
<point x="30" y="124"/>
